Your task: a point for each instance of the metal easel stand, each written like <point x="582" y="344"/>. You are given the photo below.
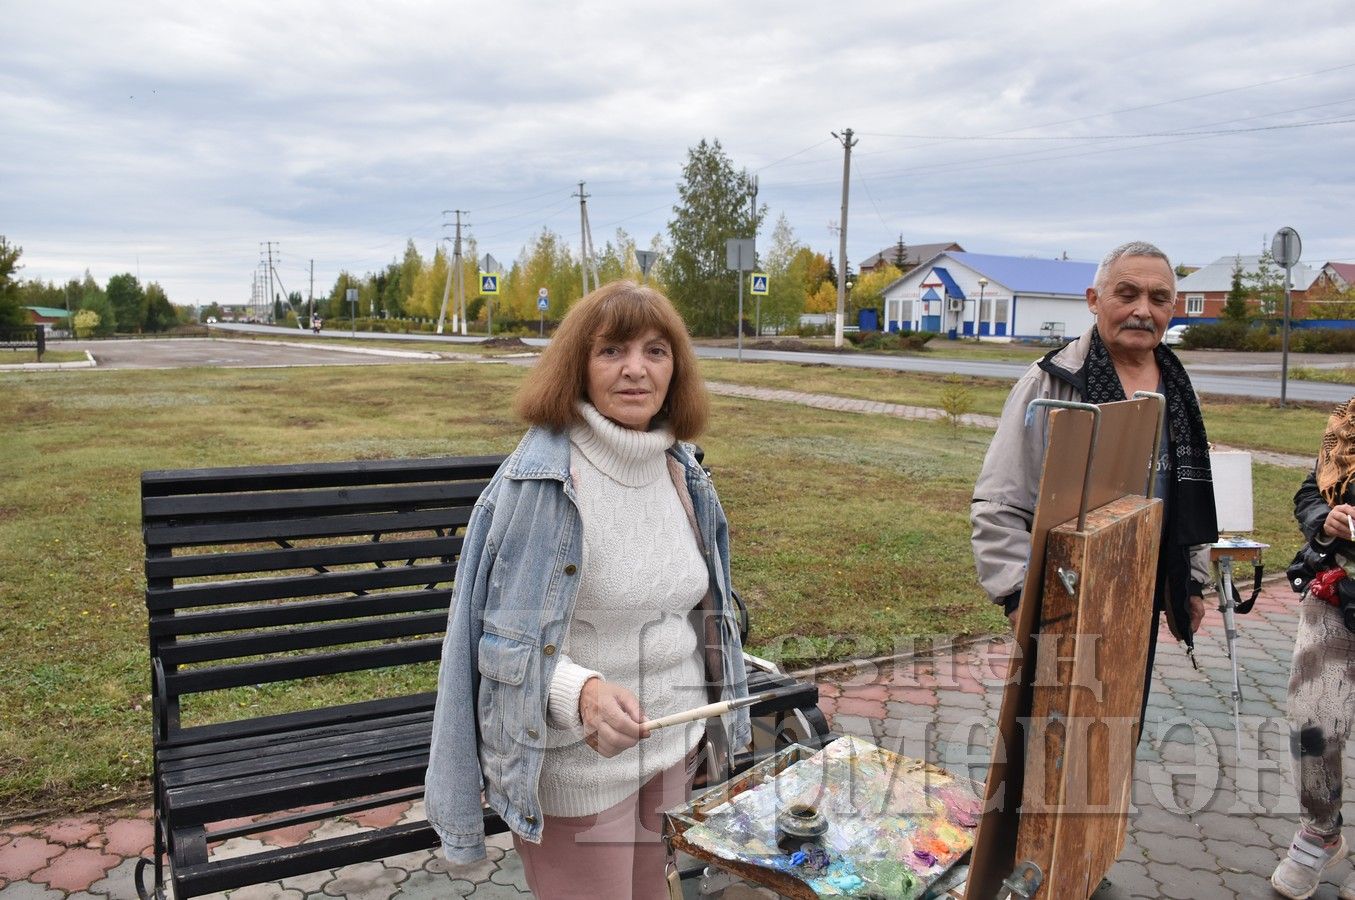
<point x="1023" y="884"/>
<point x="1222" y="554"/>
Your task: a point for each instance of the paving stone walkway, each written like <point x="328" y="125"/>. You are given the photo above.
<point x="1203" y="825"/>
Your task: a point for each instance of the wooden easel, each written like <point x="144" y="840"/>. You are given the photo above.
<point x="1058" y="791"/>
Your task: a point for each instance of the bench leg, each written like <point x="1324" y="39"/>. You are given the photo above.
<point x="157" y="890"/>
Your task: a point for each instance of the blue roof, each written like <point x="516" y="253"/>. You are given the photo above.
<point x="952" y="289"/>
<point x="931" y="294"/>
<point x="1029" y="275"/>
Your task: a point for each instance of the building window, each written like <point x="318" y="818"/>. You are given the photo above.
<point x="1195" y="304"/>
<point x="906" y="311"/>
<point x="1001" y="303"/>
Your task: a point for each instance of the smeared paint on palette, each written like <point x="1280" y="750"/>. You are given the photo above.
<point x="895" y="824"/>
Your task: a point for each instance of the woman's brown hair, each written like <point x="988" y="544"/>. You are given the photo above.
<point x="1336" y="459"/>
<point x="619" y="311"/>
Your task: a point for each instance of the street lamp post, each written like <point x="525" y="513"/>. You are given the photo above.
<point x="848" y="295"/>
<point x="978" y="313"/>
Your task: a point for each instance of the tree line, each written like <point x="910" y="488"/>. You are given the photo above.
<point x="715" y="203"/>
<point x="123" y="305"/>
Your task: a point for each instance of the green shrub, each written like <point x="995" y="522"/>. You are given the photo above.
<point x="1322" y="340"/>
<point x="956" y="400"/>
<point x="1260" y="340"/>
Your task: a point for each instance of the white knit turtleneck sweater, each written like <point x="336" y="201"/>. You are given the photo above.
<point x="642" y="575"/>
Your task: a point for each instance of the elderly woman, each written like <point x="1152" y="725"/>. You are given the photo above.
<point x="1322" y="679"/>
<point x="1131" y="300"/>
<point x="592" y="594"/>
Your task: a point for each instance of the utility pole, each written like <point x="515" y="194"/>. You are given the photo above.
<point x="847" y="144"/>
<point x="271" y="302"/>
<point x="585" y="239"/>
<point x="757" y="319"/>
<point x="454" y="270"/>
<point x="312" y="295"/>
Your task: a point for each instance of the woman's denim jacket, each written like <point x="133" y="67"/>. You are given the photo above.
<point x="505" y="626"/>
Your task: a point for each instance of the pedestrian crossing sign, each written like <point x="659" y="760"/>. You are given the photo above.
<point x="759" y="284"/>
<point x="489" y="283"/>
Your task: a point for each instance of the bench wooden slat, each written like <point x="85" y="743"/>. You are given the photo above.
<point x="299" y="613"/>
<point x="313" y="502"/>
<point x="175" y="759"/>
<point x="261" y="643"/>
<point x="267" y="671"/>
<point x="194" y="806"/>
<point x="303" y="757"/>
<point x="237" y="563"/>
<point x="170" y="482"/>
<point x="227" y="874"/>
<point x="195" y="737"/>
<point x="197" y="535"/>
<point x="216" y="593"/>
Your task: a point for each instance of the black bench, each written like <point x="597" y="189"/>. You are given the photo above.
<point x="336" y="579"/>
<point x="24" y="337"/>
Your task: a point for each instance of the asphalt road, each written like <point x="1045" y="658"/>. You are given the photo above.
<point x="1205" y="376"/>
<point x="178" y="353"/>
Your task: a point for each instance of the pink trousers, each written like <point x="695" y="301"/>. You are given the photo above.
<point x="617" y="854"/>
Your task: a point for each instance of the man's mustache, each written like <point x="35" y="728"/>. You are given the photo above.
<point x="1138" y="325"/>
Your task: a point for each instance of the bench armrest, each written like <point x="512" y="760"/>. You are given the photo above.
<point x="159" y="703"/>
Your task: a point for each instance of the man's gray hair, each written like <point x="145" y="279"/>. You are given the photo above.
<point x="1133" y="248"/>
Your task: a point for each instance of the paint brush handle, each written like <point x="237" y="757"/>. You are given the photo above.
<point x="1350" y="523"/>
<point x="710" y="710"/>
<point x="691" y="715"/>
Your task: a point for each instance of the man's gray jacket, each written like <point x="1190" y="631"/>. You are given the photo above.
<point x="1005" y="494"/>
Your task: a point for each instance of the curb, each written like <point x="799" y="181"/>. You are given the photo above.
<point x="362" y="351"/>
<point x="89" y="363"/>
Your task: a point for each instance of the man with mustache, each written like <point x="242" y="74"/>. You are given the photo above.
<point x="1132" y="298"/>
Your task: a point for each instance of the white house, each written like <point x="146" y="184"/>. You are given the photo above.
<point x="998" y="297"/>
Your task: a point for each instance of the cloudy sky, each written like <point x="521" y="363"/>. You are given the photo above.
<point x="170" y="139"/>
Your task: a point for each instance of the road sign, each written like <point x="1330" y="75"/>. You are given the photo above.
<point x="759" y="288"/>
<point x="351" y="295"/>
<point x="489" y="283"/>
<point x="646" y="260"/>
<point x="739" y="254"/>
<point x="1286" y="248"/>
<point x="543" y="303"/>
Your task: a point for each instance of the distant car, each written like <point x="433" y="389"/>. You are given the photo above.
<point x="211" y="320"/>
<point x="1175" y="335"/>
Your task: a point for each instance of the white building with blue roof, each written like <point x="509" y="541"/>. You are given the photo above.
<point x="989" y="296"/>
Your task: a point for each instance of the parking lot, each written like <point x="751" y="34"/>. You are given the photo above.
<point x="179" y="353"/>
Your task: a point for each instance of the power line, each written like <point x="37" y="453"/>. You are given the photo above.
<point x="1218" y="93"/>
<point x="793" y="155"/>
<point x="1041" y="154"/>
<point x="1136" y="136"/>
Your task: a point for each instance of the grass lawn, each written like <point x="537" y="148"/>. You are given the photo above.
<point x="15" y="357"/>
<point x="1255" y="425"/>
<point x="1344" y="375"/>
<point x="850" y="533"/>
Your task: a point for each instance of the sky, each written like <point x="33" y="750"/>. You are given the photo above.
<point x="172" y="139"/>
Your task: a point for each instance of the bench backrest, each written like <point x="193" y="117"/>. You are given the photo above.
<point x="265" y="574"/>
<point x="25" y="336"/>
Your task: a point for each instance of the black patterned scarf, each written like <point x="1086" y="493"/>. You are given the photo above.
<point x="1191" y="517"/>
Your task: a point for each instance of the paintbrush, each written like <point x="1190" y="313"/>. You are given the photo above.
<point x="718" y="709"/>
